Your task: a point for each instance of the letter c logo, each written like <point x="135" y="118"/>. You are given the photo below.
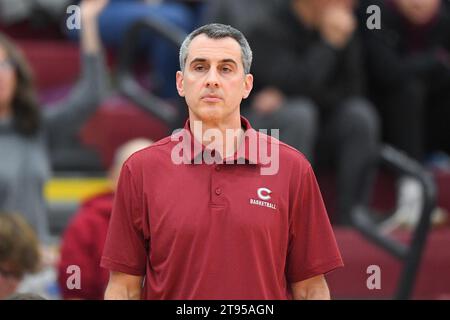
<point x="264" y="193"/>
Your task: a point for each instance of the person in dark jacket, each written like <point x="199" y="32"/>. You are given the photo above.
<point x="409" y="69"/>
<point x="310" y="84"/>
<point x="408" y="60"/>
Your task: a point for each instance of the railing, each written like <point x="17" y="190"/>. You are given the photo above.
<point x="410" y="254"/>
<point x="127" y="83"/>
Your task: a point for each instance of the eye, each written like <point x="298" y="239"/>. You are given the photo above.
<point x="199" y="67"/>
<point x="226" y="69"/>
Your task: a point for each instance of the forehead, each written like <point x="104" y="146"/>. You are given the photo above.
<point x="214" y="49"/>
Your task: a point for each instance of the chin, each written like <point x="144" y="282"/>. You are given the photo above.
<point x="209" y="113"/>
<point x="211" y="116"/>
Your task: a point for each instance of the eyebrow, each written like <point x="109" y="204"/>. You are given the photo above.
<point x="204" y="60"/>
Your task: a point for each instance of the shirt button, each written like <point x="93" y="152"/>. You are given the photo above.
<point x="218" y="191"/>
<point x="217" y="168"/>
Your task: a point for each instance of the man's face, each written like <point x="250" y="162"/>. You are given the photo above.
<point x="214" y="82"/>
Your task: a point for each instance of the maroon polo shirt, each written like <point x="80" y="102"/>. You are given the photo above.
<point x="219" y="231"/>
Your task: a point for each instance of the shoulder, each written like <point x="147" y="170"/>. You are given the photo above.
<point x="288" y="155"/>
<point x="151" y="155"/>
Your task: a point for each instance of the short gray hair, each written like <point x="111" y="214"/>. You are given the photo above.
<point x="218" y="31"/>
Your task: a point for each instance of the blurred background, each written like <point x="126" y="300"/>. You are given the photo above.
<point x="361" y="87"/>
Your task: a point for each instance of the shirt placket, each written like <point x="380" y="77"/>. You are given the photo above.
<point x="218" y="198"/>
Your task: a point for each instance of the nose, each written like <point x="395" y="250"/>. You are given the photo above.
<point x="212" y="81"/>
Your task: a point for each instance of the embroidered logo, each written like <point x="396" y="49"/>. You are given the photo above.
<point x="263" y="195"/>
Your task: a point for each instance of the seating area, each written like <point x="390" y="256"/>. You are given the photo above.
<point x="350" y="282"/>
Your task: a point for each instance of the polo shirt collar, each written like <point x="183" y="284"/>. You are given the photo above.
<point x="242" y="152"/>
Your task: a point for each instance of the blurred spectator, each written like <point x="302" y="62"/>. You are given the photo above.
<point x="409" y="71"/>
<point x="235" y="12"/>
<point x="84" y="238"/>
<point x="26" y="296"/>
<point x="309" y="82"/>
<point x="119" y="15"/>
<point x="19" y="252"/>
<point x="35" y="11"/>
<point x="24" y="131"/>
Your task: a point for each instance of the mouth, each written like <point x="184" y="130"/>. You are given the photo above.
<point x="211" y="98"/>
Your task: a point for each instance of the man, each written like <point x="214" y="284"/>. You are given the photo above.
<point x="218" y="231"/>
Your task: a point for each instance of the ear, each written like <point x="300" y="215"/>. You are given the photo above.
<point x="179" y="81"/>
<point x="248" y="85"/>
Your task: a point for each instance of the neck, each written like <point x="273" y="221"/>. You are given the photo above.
<point x="305" y="12"/>
<point x="225" y="144"/>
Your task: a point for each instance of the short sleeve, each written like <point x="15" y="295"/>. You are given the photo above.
<point x="312" y="246"/>
<point x="125" y="247"/>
